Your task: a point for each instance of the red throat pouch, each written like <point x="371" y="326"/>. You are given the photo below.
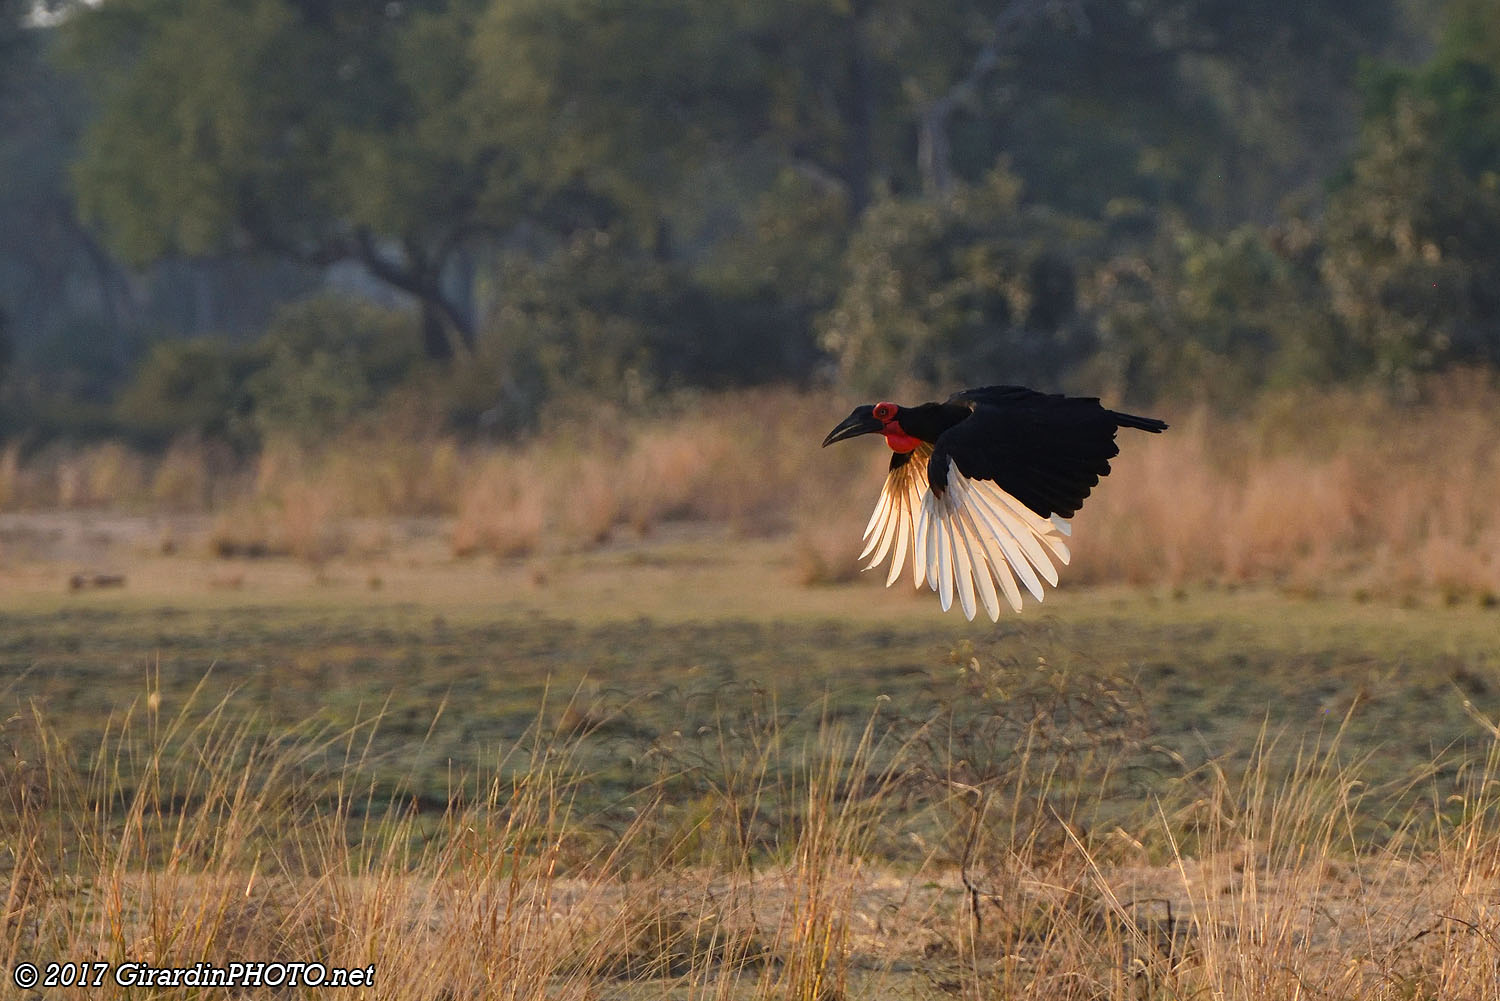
<point x="898" y="439"/>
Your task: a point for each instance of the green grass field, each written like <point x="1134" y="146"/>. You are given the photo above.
<point x="668" y="731"/>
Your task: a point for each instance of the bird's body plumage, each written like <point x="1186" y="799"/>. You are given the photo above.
<point x="981" y="486"/>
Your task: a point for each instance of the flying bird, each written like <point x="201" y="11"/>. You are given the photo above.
<point x="981" y="488"/>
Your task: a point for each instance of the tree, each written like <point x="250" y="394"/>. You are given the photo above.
<point x="317" y="130"/>
<point x="969" y="289"/>
<point x="733" y="146"/>
<point x="1411" y="238"/>
<point x="56" y="280"/>
<point x="1213" y="317"/>
<point x="1216" y="105"/>
<point x="616" y="322"/>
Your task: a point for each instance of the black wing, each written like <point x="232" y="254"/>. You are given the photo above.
<point x="1046" y="450"/>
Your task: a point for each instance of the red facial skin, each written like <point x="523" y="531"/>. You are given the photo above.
<point x="897" y="439"/>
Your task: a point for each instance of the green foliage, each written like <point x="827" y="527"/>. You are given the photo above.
<point x="622" y="94"/>
<point x="1216" y="318"/>
<point x="321" y="364"/>
<point x="326" y="361"/>
<point x="966" y="290"/>
<point x="198" y="108"/>
<point x="1250" y="303"/>
<point x="782" y="272"/>
<point x="318" y="132"/>
<point x="602" y="317"/>
<point x="1457" y="89"/>
<point x="1411" y="236"/>
<point x="790" y="246"/>
<point x="189" y="386"/>
<point x="619" y="198"/>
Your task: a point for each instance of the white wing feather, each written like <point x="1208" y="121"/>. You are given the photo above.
<point x="1000" y="555"/>
<point x="981" y="559"/>
<point x="879" y="522"/>
<point x="965" y="541"/>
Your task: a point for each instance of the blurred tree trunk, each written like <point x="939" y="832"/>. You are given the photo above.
<point x="860" y="152"/>
<point x="420" y="274"/>
<point x="116" y="297"/>
<point x="935" y="117"/>
<point x="934" y="147"/>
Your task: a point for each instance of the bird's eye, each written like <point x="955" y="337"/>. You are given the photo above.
<point x="885" y="411"/>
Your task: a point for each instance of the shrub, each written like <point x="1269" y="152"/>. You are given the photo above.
<point x="977" y="288"/>
<point x="1411" y="263"/>
<point x="321" y="363"/>
<point x="325" y="361"/>
<point x="1187" y="314"/>
<point x="189" y="387"/>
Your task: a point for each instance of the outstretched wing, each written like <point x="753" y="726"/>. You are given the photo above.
<point x="1047" y="451"/>
<point x="892" y="528"/>
<point x="970" y="541"/>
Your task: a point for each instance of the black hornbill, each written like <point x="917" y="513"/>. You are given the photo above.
<point x="981" y="485"/>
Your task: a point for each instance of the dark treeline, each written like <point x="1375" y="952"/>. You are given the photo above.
<point x="226" y="217"/>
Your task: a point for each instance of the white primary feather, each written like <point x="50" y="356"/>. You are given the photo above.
<point x="1014" y="536"/>
<point x="942" y="564"/>
<point x="982" y="561"/>
<point x="916" y="486"/>
<point x="964" y="542"/>
<point x="1000" y="551"/>
<point x="987" y="593"/>
<point x="963" y="566"/>
<point x="903" y="538"/>
<point x="879" y="521"/>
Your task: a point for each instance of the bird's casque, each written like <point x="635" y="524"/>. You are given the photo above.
<point x="981" y="488"/>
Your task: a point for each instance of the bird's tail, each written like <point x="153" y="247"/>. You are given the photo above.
<point x="1143" y="423"/>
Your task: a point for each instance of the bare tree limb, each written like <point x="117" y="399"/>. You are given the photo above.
<point x="934" y="141"/>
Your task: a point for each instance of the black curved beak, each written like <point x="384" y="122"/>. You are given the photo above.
<point x="862" y="421"/>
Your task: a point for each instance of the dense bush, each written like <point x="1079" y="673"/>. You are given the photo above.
<point x="603" y="316"/>
<point x="320" y="364"/>
<point x="1411" y="261"/>
<point x="193" y="386"/>
<point x="1214" y="318"/>
<point x="325" y="361"/>
<point x="968" y="289"/>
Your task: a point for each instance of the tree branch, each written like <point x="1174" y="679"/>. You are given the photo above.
<point x="419" y="277"/>
<point x="934" y="145"/>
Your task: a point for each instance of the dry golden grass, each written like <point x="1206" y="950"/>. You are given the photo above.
<point x="100" y="474"/>
<point x="188" y="475"/>
<point x="187" y="840"/>
<point x="499" y="509"/>
<point x="10" y="474"/>
<point x="190" y="838"/>
<point x="1342" y="490"/>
